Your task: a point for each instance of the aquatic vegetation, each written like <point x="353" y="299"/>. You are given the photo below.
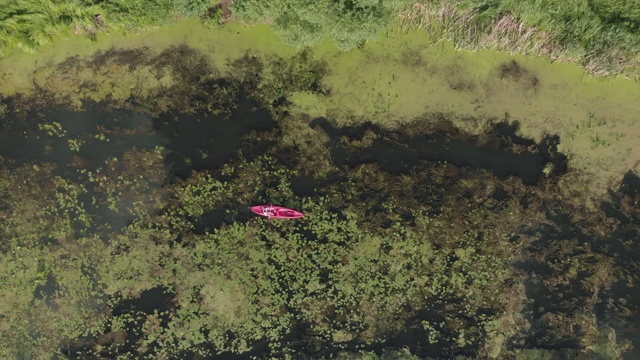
<point x="306" y="23"/>
<point x="370" y="258"/>
<point x="143" y="246"/>
<point x="53" y="129"/>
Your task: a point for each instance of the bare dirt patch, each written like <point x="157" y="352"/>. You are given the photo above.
<point x="220" y="10"/>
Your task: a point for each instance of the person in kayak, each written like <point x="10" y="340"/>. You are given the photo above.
<point x="268" y="211"/>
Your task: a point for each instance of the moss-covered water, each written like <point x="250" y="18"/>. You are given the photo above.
<point x="437" y="224"/>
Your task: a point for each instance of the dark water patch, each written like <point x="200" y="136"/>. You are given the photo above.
<point x="619" y="304"/>
<point x="288" y="156"/>
<point x="612" y="211"/>
<point x="408" y="217"/>
<point x="79" y="348"/>
<point x="413" y="336"/>
<point x="206" y="141"/>
<point x="548" y="148"/>
<point x="394" y="158"/>
<point x="243" y="215"/>
<point x="622" y="297"/>
<point x="391" y="157"/>
<point x="46" y="290"/>
<point x="534" y="268"/>
<point x="96" y="301"/>
<point x="534" y="289"/>
<point x="6" y="106"/>
<point x="500" y="193"/>
<point x="149" y="302"/>
<point x="524" y="202"/>
<point x="527" y="166"/>
<point x="303" y="186"/>
<point x="259" y="350"/>
<point x="630" y="185"/>
<point x="548" y="339"/>
<point x="309" y="236"/>
<point x="623" y="206"/>
<point x="398" y="153"/>
<point x="326" y="126"/>
<point x="50" y="241"/>
<point x="561" y="227"/>
<point x="504" y="134"/>
<point x="210" y="220"/>
<point x="323" y="184"/>
<point x="614" y="303"/>
<point x="545" y="299"/>
<point x="98" y="133"/>
<point x="623" y="244"/>
<point x="155" y="299"/>
<point x="246" y="70"/>
<point x="104" y="220"/>
<point x="84" y="140"/>
<point x="179" y="164"/>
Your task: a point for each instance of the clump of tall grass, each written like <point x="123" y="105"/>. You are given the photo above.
<point x="25" y="25"/>
<point x="602" y="36"/>
<point x="462" y="27"/>
<point x="301" y="23"/>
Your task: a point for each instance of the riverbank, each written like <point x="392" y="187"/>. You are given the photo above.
<point x="598" y="35"/>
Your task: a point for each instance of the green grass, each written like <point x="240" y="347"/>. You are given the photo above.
<point x="602" y="35"/>
<point x="26" y="25"/>
<point x="599" y="32"/>
<point x="306" y="22"/>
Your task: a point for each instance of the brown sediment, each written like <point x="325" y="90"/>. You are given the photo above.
<point x="98" y="21"/>
<point x="222" y="6"/>
<point x="514" y="71"/>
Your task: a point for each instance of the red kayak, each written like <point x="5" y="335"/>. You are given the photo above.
<point x="276" y="212"/>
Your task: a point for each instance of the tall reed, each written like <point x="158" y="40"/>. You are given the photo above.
<point x="606" y="40"/>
